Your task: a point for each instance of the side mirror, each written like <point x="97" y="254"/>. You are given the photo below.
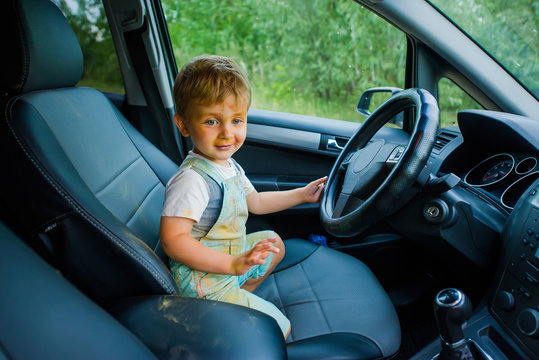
<point x="371" y="99"/>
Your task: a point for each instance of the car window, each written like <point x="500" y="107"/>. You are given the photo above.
<point x="88" y="20"/>
<point x="508" y="30"/>
<point x="306" y="57"/>
<point x="452" y="99"/>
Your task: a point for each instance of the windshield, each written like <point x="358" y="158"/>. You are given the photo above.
<point x="507" y="29"/>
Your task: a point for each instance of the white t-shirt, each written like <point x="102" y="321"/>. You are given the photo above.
<point x="187" y="194"/>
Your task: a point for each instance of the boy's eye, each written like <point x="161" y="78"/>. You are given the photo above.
<point x="211" y="122"/>
<point x="237" y="121"/>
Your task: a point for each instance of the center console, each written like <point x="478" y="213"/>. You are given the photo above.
<point x="516" y="300"/>
<point x="508" y="328"/>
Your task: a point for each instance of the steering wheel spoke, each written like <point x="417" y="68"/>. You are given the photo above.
<point x="346" y="161"/>
<point x="340" y="205"/>
<point x="344" y="202"/>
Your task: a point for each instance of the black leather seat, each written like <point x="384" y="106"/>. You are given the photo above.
<point x="85" y="183"/>
<point x="45" y="317"/>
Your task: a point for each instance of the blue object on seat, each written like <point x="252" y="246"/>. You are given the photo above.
<point x="317" y="239"/>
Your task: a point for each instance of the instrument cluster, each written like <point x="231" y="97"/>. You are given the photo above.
<point x="505" y="176"/>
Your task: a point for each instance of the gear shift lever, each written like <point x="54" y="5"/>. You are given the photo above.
<point x="452" y="308"/>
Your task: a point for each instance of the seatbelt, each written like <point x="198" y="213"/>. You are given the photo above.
<point x="143" y="69"/>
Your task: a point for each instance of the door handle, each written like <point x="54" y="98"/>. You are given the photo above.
<point x="333" y="145"/>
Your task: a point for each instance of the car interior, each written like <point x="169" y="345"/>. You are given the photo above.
<point x="431" y="232"/>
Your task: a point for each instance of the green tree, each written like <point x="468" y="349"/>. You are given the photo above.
<point x="89" y="22"/>
<point x="310" y="57"/>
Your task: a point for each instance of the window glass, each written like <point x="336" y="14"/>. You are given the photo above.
<point x="507" y="29"/>
<point x="88" y="20"/>
<point x="311" y="57"/>
<point x="452" y="99"/>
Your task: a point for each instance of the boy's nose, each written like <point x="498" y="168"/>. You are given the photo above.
<point x="226" y="130"/>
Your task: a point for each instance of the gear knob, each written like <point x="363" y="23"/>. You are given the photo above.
<point x="452" y="308"/>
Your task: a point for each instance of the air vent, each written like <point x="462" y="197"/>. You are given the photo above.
<point x="442" y="140"/>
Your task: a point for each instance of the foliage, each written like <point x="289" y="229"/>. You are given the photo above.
<point x="311" y="57"/>
<point x="89" y="22"/>
<point x="506" y="28"/>
<point x="451" y="99"/>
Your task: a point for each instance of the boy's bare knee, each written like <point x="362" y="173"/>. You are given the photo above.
<point x="280" y="245"/>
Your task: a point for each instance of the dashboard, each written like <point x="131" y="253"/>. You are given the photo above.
<point x="515" y="303"/>
<point x="494" y="157"/>
<point x="491" y="219"/>
<point x="498" y="153"/>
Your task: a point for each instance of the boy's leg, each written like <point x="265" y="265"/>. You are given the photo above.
<point x="270" y="309"/>
<point x="252" y="283"/>
<point x="232" y="293"/>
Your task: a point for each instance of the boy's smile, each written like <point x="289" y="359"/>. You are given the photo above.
<point x="217" y="130"/>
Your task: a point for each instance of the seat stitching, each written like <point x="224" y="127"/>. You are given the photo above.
<point x="142" y="203"/>
<point x="316" y="296"/>
<point x="302" y="302"/>
<point x="278" y="292"/>
<point x="79" y="209"/>
<point x="114" y="177"/>
<point x="365" y="338"/>
<point x="25" y="48"/>
<point x="282" y="305"/>
<point x="296" y="263"/>
<point x="141" y="153"/>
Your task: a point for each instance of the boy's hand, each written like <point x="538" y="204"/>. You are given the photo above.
<point x="256" y="256"/>
<point x="313" y="191"/>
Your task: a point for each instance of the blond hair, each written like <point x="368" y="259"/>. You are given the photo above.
<point x="209" y="79"/>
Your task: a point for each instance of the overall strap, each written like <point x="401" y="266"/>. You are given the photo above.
<point x="216" y="188"/>
<point x="236" y="165"/>
<point x="211" y="213"/>
<point x="203" y="167"/>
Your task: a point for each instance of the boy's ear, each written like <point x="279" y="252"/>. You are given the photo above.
<point x="180" y="123"/>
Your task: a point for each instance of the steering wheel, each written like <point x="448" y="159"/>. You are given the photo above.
<point x="372" y="178"/>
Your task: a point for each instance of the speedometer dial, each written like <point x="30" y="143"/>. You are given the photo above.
<point x="490" y="171"/>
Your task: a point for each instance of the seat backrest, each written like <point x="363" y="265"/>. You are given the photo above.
<point x="45" y="317"/>
<point x="81" y="178"/>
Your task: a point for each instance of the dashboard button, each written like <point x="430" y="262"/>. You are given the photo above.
<point x="525" y="292"/>
<point x="528" y="322"/>
<point x="505" y="300"/>
<point x="530" y="279"/>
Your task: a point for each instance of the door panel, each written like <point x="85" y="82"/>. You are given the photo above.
<point x="286" y="151"/>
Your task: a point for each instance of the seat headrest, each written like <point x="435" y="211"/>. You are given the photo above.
<point x="42" y="51"/>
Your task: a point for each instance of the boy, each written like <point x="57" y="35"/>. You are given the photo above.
<point x="207" y="201"/>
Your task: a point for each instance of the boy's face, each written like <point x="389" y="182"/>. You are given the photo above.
<point x="217" y="130"/>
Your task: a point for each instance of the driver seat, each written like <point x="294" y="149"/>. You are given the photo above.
<point x="83" y="184"/>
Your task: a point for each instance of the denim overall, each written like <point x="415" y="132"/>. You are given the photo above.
<point x="227" y="235"/>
